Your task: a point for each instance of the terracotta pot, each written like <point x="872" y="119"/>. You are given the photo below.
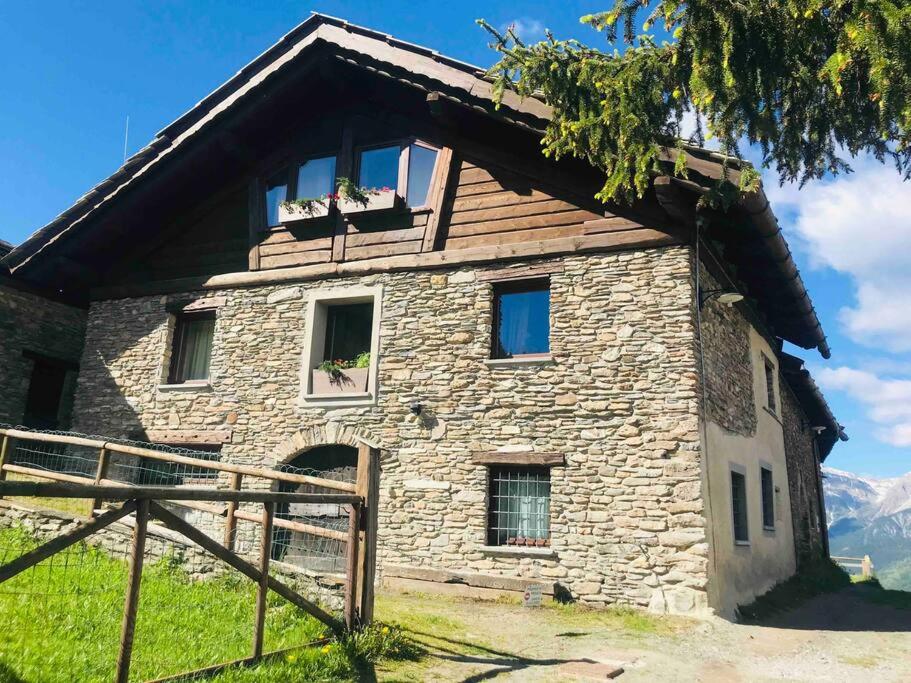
<point x="352" y="381"/>
<point x="383" y="201"/>
<point x="297" y="214"/>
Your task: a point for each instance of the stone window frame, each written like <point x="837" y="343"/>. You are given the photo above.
<point x="176" y="308"/>
<point x="734" y="468"/>
<point x="507" y="277"/>
<point x="318" y="301"/>
<point x="765" y="466"/>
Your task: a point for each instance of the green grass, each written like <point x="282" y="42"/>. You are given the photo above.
<point x="822" y="577"/>
<point x="874" y="592"/>
<point x="61" y="622"/>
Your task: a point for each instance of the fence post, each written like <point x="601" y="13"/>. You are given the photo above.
<point x="131" y="604"/>
<point x="866" y="567"/>
<point x="231" y="519"/>
<point x="353" y="559"/>
<point x="368" y="480"/>
<point x="100" y="474"/>
<point x="4" y="449"/>
<point x="265" y="553"/>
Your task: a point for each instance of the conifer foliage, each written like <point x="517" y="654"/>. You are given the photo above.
<point x="810" y="82"/>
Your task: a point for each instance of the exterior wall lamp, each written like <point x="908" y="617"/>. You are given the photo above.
<point x="724" y="296"/>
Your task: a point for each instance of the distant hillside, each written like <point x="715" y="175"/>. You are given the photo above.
<point x="871" y="516"/>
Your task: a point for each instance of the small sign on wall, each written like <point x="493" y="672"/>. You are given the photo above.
<point x="533" y="595"/>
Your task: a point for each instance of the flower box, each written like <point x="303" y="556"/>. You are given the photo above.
<point x="293" y="213"/>
<point x="351" y="381"/>
<point x="382" y="200"/>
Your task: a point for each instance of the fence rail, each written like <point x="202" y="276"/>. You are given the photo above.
<point x="864" y="564"/>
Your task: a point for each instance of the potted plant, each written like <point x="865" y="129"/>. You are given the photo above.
<point x="342" y="376"/>
<point x="353" y="199"/>
<point x="306" y="209"/>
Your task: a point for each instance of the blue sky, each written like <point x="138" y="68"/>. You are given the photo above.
<point x="72" y="72"/>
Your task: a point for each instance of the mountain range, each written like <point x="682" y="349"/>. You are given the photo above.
<point x="871" y="516"/>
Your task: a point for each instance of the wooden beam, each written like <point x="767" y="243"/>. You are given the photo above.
<point x="175" y="523"/>
<point x="489" y="581"/>
<point x="351" y="562"/>
<point x="596" y="243"/>
<point x="299" y="527"/>
<point x="255" y="220"/>
<point x="368" y="482"/>
<point x="231" y="519"/>
<point x="131" y="604"/>
<point x="55" y="545"/>
<point x="443" y="181"/>
<point x="101" y="474"/>
<point x="52" y="490"/>
<point x="521" y="458"/>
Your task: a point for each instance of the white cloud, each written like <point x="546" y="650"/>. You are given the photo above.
<point x="860" y="225"/>
<point x="529" y="30"/>
<point x="887" y="401"/>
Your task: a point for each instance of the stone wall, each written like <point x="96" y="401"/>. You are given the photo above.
<point x="31" y="323"/>
<point x="618" y="400"/>
<point x="803" y="479"/>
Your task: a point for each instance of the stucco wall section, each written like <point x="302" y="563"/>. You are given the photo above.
<point x="32" y="323"/>
<point x="619" y="401"/>
<point x="803" y="479"/>
<point x="742" y="434"/>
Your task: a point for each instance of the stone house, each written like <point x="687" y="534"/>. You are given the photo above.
<point x="560" y="391"/>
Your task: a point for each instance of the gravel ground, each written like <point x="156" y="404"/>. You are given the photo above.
<point x="836" y="637"/>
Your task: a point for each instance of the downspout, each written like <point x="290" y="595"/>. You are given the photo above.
<point x="703" y="403"/>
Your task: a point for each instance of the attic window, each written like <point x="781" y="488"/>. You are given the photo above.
<point x="407" y="168"/>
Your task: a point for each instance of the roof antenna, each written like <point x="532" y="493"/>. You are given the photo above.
<point x="126" y="137"/>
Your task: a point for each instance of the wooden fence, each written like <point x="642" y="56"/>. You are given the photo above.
<point x="864" y="564"/>
<point x="360" y="497"/>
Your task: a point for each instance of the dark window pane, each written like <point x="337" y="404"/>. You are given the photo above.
<point x="349" y="329"/>
<point x="768" y="501"/>
<point x="379" y="168"/>
<point x="522" y="320"/>
<point x="420" y="170"/>
<point x="316" y="177"/>
<point x="770" y="384"/>
<point x="45" y="389"/>
<point x="192" y="348"/>
<point x="276" y="193"/>
<point x="739" y="505"/>
<point x="519" y="505"/>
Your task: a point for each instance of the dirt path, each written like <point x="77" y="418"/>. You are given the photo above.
<point x="840" y="637"/>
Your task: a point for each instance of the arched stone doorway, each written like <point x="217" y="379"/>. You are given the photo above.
<point x="331" y="461"/>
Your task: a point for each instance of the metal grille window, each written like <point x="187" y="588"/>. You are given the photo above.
<point x="519" y="506"/>
<point x="768" y="498"/>
<point x="739" y="506"/>
<point x="192" y="347"/>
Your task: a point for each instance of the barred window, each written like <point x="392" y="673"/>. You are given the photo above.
<point x="519" y="506"/>
<point x="739" y="507"/>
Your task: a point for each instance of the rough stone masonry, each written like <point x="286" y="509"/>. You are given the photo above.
<point x="619" y="400"/>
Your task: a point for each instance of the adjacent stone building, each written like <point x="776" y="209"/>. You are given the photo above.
<point x="559" y="391"/>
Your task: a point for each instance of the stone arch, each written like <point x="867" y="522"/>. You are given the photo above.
<point x="327" y="434"/>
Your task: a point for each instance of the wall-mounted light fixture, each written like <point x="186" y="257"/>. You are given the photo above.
<point x="725" y="296"/>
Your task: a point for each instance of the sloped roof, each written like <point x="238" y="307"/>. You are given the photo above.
<point x="813" y="403"/>
<point x="454" y="80"/>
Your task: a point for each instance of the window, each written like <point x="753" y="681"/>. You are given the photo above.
<point x="739" y="507"/>
<point x="379" y="167"/>
<point x="45" y="392"/>
<point x="769" y="383"/>
<point x="342" y="325"/>
<point x="519" y="506"/>
<point x="349" y="328"/>
<point x="276" y="193"/>
<point x="768" y="498"/>
<point x="315" y="177"/>
<point x="192" y="347"/>
<point x="521" y="318"/>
